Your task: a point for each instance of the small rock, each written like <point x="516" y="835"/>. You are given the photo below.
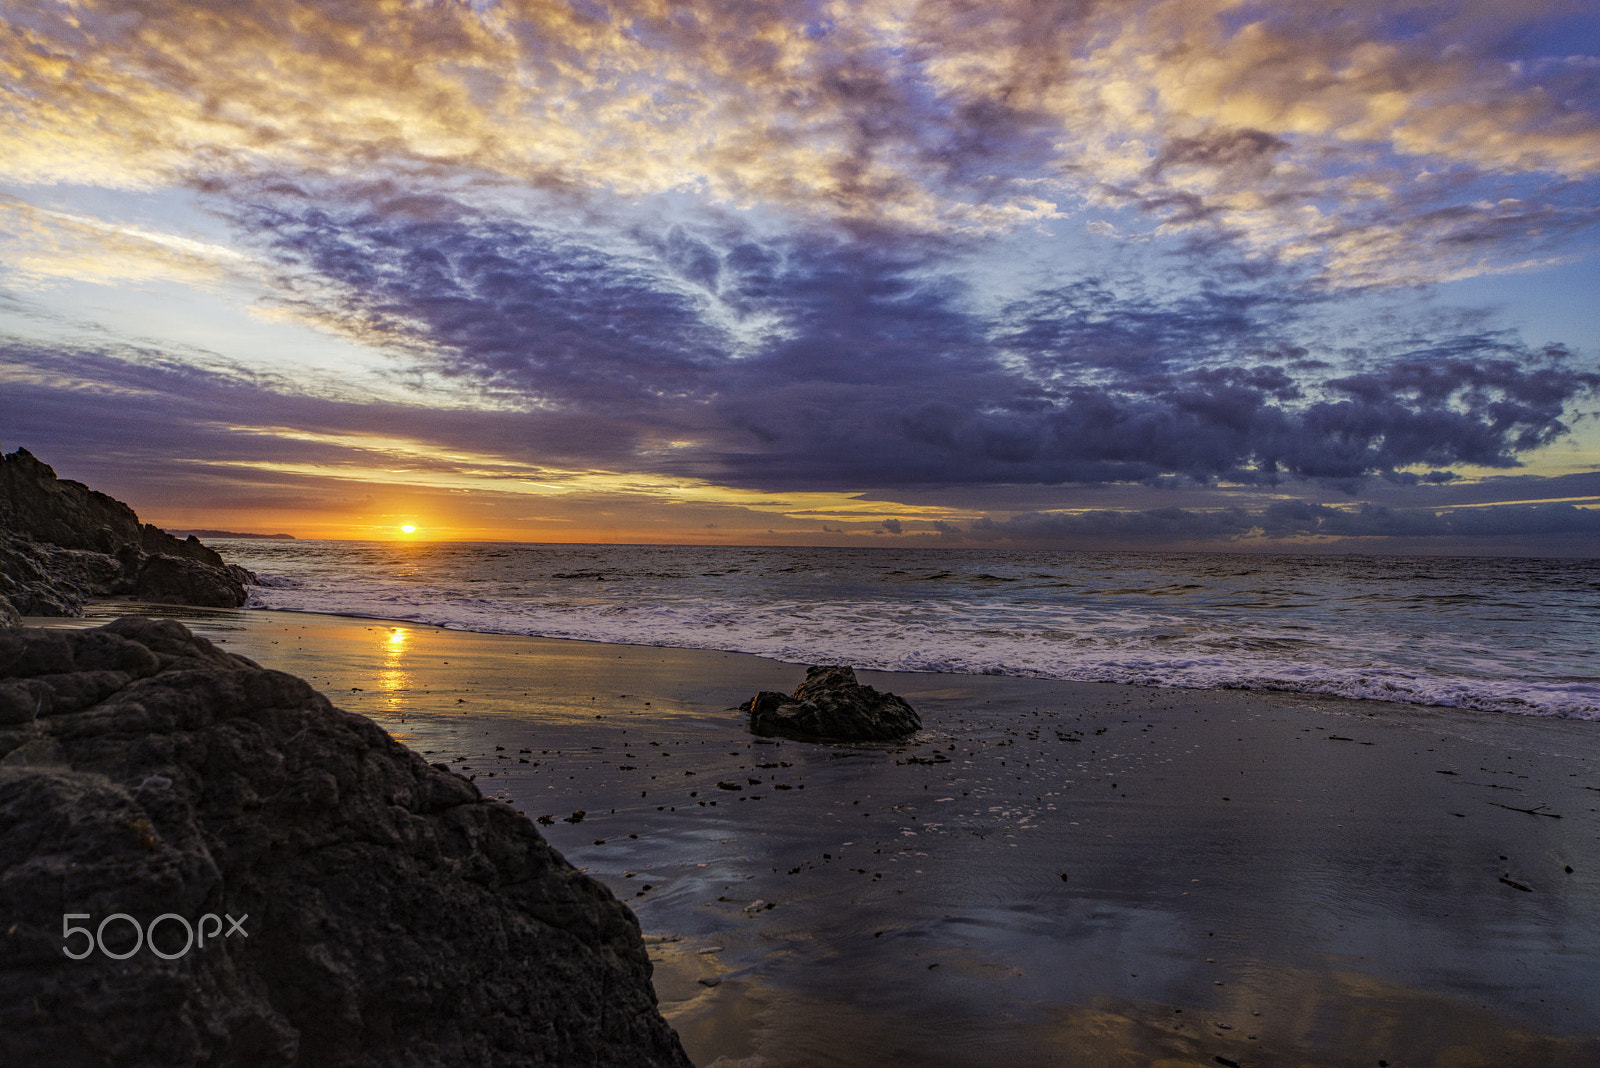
<point x="831" y="706"/>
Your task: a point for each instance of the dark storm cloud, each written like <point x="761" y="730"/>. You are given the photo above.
<point x="838" y="362"/>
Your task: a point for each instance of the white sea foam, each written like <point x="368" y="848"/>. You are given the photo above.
<point x="1507" y="636"/>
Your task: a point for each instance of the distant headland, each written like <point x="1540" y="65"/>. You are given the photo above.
<point x="230" y="534"/>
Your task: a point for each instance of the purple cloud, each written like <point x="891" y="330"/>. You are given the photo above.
<point x="840" y="363"/>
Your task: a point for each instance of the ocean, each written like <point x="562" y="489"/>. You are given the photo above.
<point x="1506" y="635"/>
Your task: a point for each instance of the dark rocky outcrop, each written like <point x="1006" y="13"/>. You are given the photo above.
<point x="62" y="543"/>
<point x="395" y="916"/>
<point x="831" y="706"/>
<point x="176" y="580"/>
<point x="39" y="579"/>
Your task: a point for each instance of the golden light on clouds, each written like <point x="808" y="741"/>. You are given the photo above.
<point x="647" y="270"/>
<point x="639" y="501"/>
<point x="768" y="105"/>
<point x="42" y="246"/>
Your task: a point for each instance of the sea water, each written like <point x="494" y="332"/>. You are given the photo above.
<point x="1498" y="634"/>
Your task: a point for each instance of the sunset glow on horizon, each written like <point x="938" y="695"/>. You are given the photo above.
<point x="1166" y="273"/>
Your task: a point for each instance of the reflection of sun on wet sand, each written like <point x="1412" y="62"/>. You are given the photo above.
<point x="393" y="678"/>
<point x="1047" y="874"/>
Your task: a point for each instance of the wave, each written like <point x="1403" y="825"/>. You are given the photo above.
<point x="951" y="636"/>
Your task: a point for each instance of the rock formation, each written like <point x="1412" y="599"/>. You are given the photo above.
<point x="831" y="706"/>
<point x="392" y="915"/>
<point x="62" y="543"/>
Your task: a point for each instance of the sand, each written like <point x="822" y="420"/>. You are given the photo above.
<point x="1049" y="874"/>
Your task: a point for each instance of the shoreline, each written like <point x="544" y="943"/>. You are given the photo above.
<point x="94" y="610"/>
<point x="1334" y="880"/>
<point x="220" y="621"/>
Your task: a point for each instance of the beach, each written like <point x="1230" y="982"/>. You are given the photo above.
<point x="1050" y="872"/>
<point x="1188" y="410"/>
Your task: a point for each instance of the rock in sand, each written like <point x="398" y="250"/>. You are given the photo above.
<point x="831" y="706"/>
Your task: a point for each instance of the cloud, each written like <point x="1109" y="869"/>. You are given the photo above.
<point x="922" y="245"/>
<point x="172" y="435"/>
<point x="566" y="322"/>
<point x="1284" y="132"/>
<point x="140" y="418"/>
<point x="802" y="361"/>
<point x="1291" y="133"/>
<point x="40" y="246"/>
<point x="1289" y="520"/>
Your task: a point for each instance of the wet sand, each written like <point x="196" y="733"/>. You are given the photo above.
<point x="1048" y="874"/>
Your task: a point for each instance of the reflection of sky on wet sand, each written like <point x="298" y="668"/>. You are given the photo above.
<point x="1351" y="1019"/>
<point x="1244" y="859"/>
<point x="1365" y="918"/>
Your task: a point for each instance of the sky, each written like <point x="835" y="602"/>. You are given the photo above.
<point x="1086" y="274"/>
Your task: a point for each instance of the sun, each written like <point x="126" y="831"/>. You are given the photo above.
<point x="408" y="529"/>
